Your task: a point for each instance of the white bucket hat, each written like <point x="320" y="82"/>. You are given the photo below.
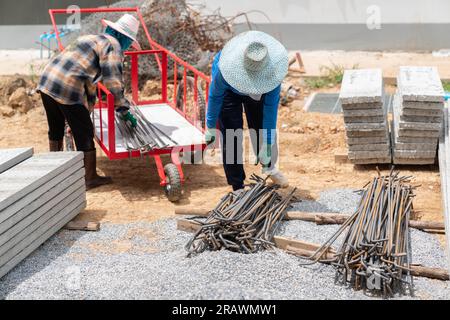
<point x="126" y="25"/>
<point x="254" y="62"/>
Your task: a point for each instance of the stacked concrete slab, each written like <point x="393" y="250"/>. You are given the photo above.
<point x="444" y="171"/>
<point x="38" y="196"/>
<point x="365" y="116"/>
<point x="417" y="115"/>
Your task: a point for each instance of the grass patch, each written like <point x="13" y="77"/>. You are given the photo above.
<point x="446" y="85"/>
<point x="332" y="76"/>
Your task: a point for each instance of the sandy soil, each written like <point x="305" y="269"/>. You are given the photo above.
<point x="28" y="62"/>
<point x="308" y="144"/>
<point x="389" y="62"/>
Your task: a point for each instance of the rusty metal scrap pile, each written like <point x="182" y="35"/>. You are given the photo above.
<point x="184" y="29"/>
<point x="243" y="221"/>
<point x="376" y="253"/>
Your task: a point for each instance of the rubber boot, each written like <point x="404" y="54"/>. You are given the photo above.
<point x="93" y="180"/>
<point x="55" y="145"/>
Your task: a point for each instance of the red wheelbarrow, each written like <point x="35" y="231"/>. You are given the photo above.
<point x="170" y="114"/>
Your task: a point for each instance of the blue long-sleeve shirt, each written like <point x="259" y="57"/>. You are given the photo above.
<point x="216" y="94"/>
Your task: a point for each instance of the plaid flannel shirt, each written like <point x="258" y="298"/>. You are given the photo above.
<point x="71" y="77"/>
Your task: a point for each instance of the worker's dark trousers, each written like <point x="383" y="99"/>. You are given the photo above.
<point x="231" y="119"/>
<point x="77" y="117"/>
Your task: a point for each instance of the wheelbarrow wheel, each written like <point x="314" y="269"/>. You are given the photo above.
<point x="173" y="186"/>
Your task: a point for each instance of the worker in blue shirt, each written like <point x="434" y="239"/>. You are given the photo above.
<point x="247" y="75"/>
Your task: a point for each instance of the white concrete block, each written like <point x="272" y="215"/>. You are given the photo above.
<point x="415" y="161"/>
<point x="379" y="126"/>
<point x="359" y="155"/>
<point x="65" y="179"/>
<point x="31" y="243"/>
<point x="33" y="173"/>
<point x="420" y="84"/>
<point x="11" y="157"/>
<point x="372" y="160"/>
<point x="369" y="147"/>
<point x="361" y="86"/>
<point x="414" y="154"/>
<point x="355" y="141"/>
<point x="15" y="235"/>
<point x="17" y="223"/>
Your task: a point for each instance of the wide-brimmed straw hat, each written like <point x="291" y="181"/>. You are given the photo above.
<point x="126" y="25"/>
<point x="254" y="62"/>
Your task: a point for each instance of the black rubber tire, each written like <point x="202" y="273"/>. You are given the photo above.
<point x="190" y="89"/>
<point x="173" y="189"/>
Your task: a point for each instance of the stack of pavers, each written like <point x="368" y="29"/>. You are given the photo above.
<point x="417" y="115"/>
<point x="365" y="116"/>
<point x="38" y="195"/>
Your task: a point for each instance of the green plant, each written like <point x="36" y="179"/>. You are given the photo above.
<point x="331" y="76"/>
<point x="446" y="85"/>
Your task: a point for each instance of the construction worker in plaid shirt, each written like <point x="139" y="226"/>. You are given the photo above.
<point x="68" y="88"/>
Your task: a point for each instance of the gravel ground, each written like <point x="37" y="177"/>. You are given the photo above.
<point x="148" y="261"/>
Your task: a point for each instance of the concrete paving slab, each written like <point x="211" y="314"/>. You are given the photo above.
<point x="418" y="133"/>
<point x="416" y="161"/>
<point x="364" y="119"/>
<point x="402" y="139"/>
<point x="366" y="133"/>
<point x="420" y="84"/>
<point x="426" y="119"/>
<point x="416" y="106"/>
<point x="444" y="171"/>
<point x="380" y="126"/>
<point x="38" y="238"/>
<point x="361" y="86"/>
<point x="11" y="238"/>
<point x="353" y="155"/>
<point x="369" y="147"/>
<point x="372" y="160"/>
<point x="363" y="113"/>
<point x="415" y="146"/>
<point x="356" y="141"/>
<point x="32" y="173"/>
<point x="414" y="154"/>
<point x="420" y="126"/>
<point x="68" y="193"/>
<point x="19" y="204"/>
<point x="412" y="129"/>
<point x="11" y="157"/>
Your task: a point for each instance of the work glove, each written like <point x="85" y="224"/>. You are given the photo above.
<point x="265" y="155"/>
<point x="210" y="135"/>
<point x="127" y="116"/>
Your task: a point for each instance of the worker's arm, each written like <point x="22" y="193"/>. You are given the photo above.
<point x="91" y="95"/>
<point x="111" y="64"/>
<point x="271" y="102"/>
<point x="216" y="94"/>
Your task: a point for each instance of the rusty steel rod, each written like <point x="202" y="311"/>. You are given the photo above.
<point x="243" y="221"/>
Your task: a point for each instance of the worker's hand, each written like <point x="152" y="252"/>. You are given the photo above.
<point x="265" y="155"/>
<point x="210" y="135"/>
<point x="127" y="116"/>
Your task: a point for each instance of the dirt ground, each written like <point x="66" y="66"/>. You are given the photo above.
<point x="389" y="62"/>
<point x="309" y="142"/>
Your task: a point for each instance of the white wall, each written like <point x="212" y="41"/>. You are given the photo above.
<point x="335" y="11"/>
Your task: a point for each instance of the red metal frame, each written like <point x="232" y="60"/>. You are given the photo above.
<point x="161" y="55"/>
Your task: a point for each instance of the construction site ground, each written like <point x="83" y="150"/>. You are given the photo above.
<point x="136" y="204"/>
<point x="308" y="144"/>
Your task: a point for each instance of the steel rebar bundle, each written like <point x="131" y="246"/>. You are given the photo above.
<point x="244" y="221"/>
<point x="376" y="251"/>
<point x="145" y="136"/>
